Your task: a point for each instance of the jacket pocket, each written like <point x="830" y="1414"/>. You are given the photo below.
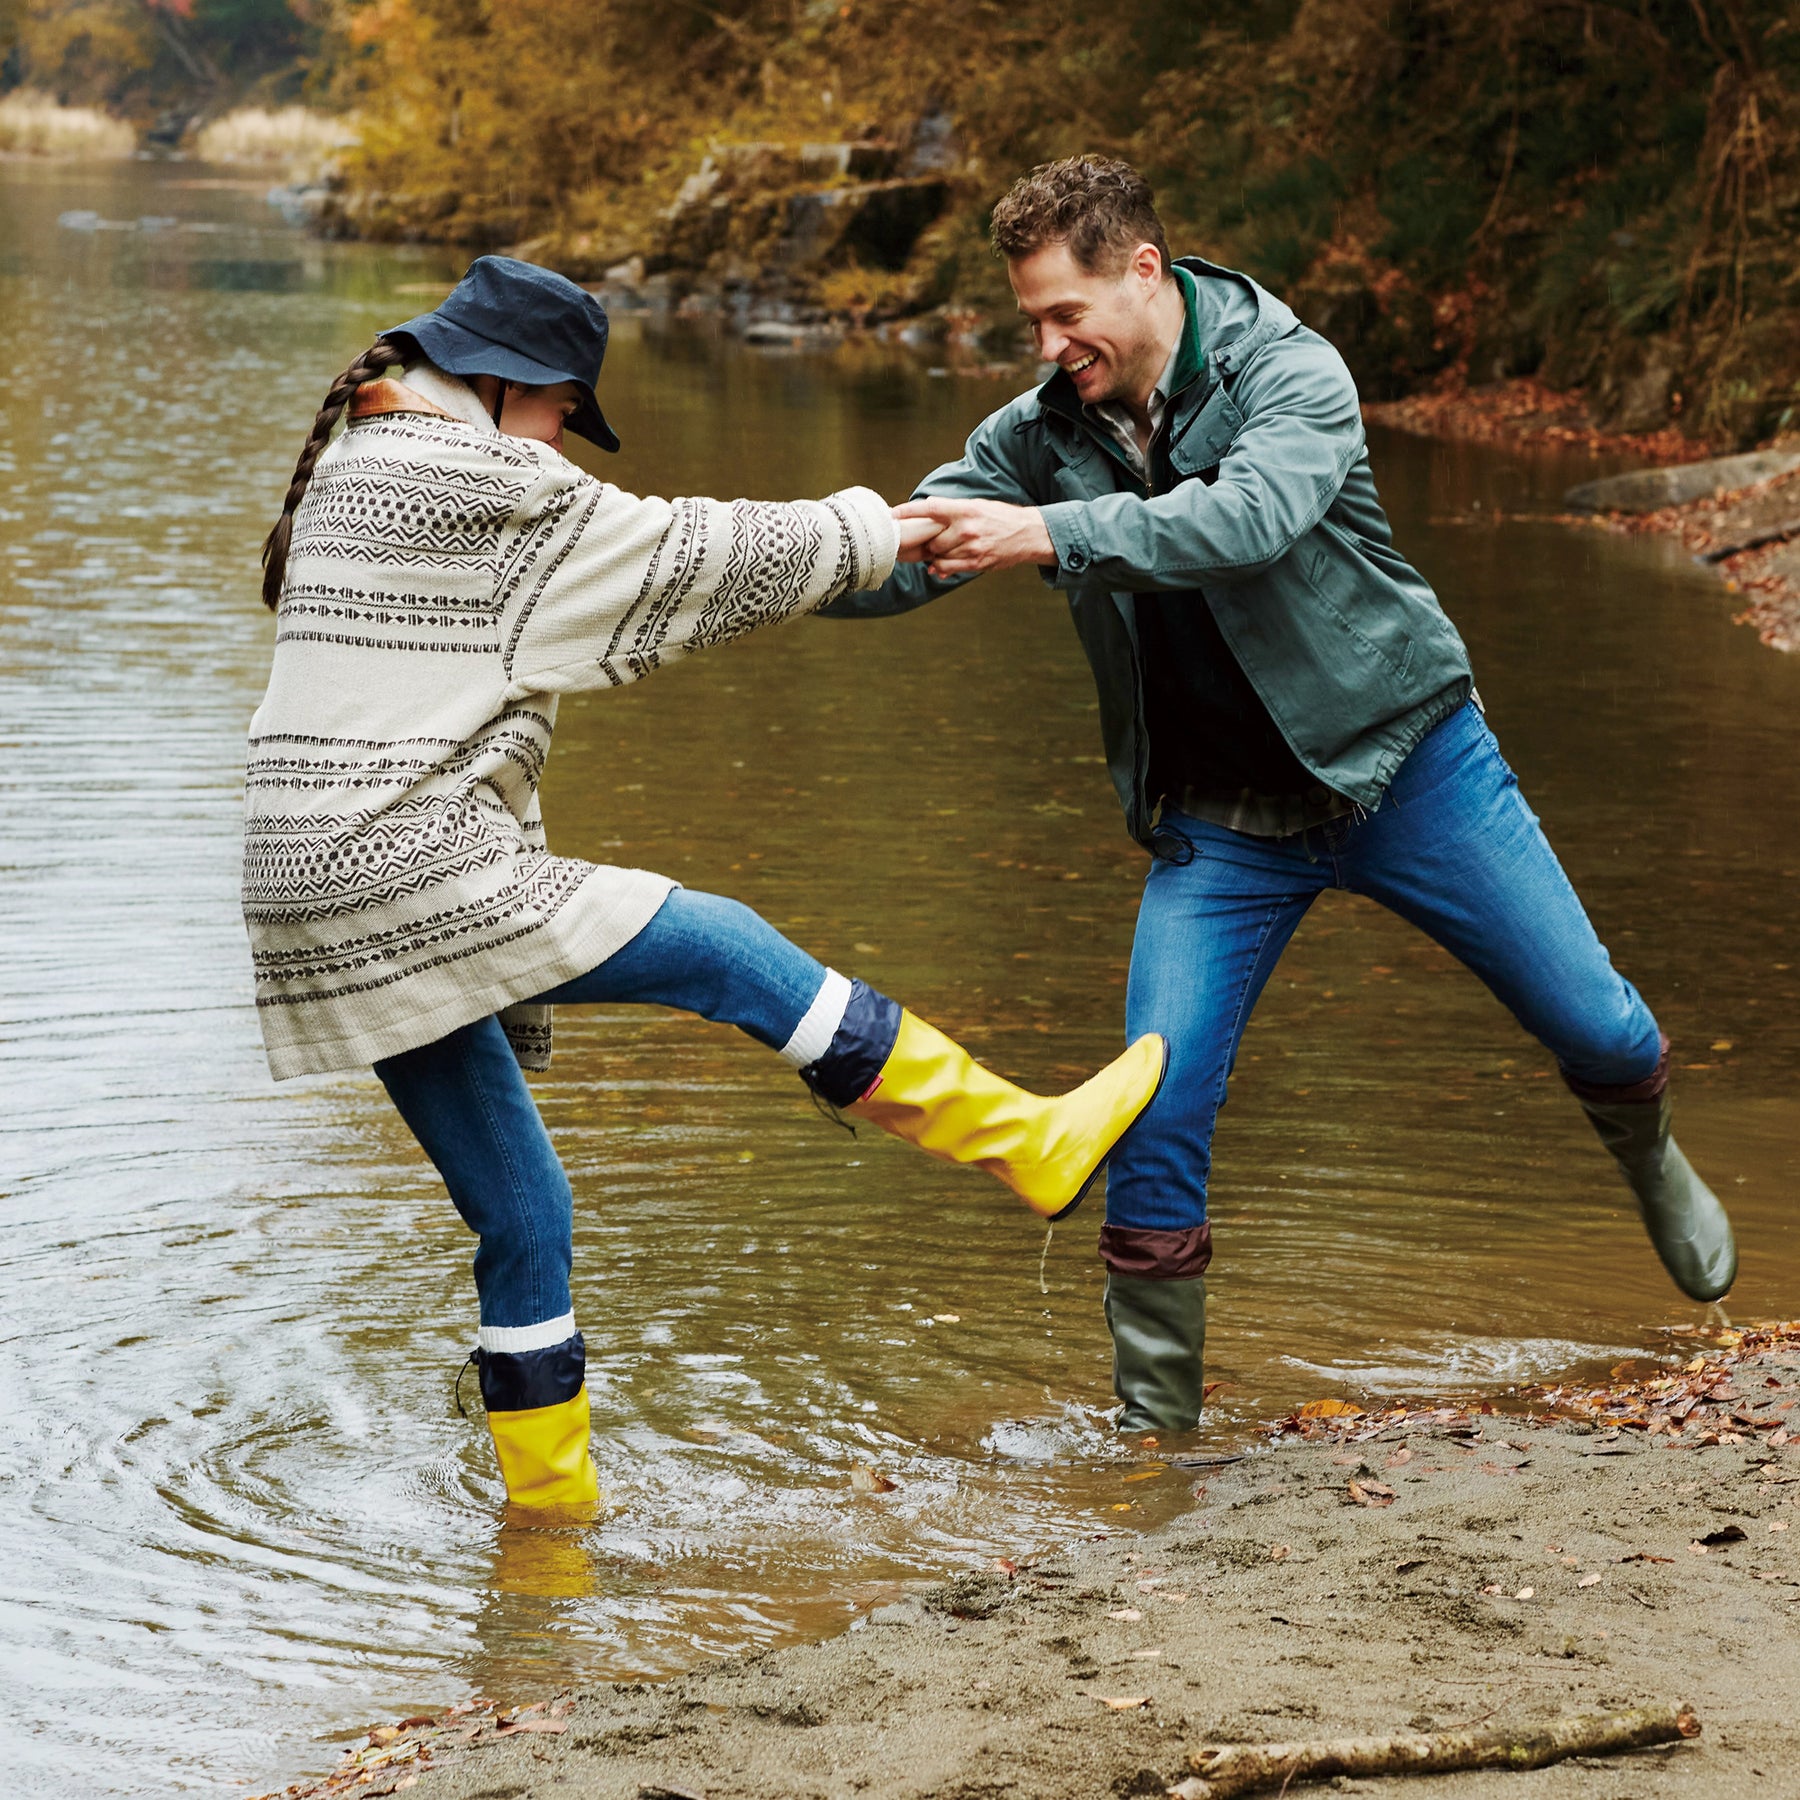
<point x="1368" y="611"/>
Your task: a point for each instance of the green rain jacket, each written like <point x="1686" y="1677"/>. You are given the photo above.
<point x="1261" y="505"/>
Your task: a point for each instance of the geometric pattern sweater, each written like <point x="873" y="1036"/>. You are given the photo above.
<point x="444" y="585"/>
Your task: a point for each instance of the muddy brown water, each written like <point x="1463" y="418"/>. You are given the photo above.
<point x="242" y="1515"/>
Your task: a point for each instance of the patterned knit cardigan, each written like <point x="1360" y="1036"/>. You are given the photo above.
<point x="444" y="585"/>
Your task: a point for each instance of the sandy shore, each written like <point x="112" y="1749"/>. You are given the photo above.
<point x="1354" y="1572"/>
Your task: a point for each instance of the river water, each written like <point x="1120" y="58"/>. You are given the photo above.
<point x="243" y="1515"/>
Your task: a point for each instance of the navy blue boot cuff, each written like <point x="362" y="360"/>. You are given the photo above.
<point x="860" y="1047"/>
<point x="518" y="1381"/>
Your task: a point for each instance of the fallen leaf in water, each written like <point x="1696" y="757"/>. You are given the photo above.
<point x="1128" y="1613"/>
<point x="1329" y="1409"/>
<point x="712" y="1428"/>
<point x="1123" y="1702"/>
<point x="1399" y="1458"/>
<point x="948" y="1318"/>
<point x="1726" y="1534"/>
<point x="1588" y="1581"/>
<point x="1371" y="1493"/>
<point x="1122" y="1506"/>
<point x="869" y="1481"/>
<point x="1148" y="1474"/>
<point x="1278" y="1551"/>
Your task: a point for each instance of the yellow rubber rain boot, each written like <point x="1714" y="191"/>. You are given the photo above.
<point x="545" y="1458"/>
<point x="933" y="1093"/>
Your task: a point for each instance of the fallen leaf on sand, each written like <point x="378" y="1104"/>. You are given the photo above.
<point x="1399" y="1458"/>
<point x="1726" y="1534"/>
<point x="1179" y="1599"/>
<point x="1005" y="1565"/>
<point x="1371" y="1493"/>
<point x="1524" y="1593"/>
<point x="1150" y="1585"/>
<point x="1778" y="1524"/>
<point x="1696" y="1548"/>
<point x="1588" y="1581"/>
<point x="1645" y="1556"/>
<point x="1278" y="1551"/>
<point x="1411" y="1563"/>
<point x="870" y="1481"/>
<point x="1123" y="1702"/>
<point x="551" y="1725"/>
<point x="1493" y="1587"/>
<point x="1145" y="1655"/>
<point x="1329" y="1409"/>
<point x="1129" y="1614"/>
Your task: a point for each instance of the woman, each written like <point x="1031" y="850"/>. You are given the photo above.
<point x="440" y="574"/>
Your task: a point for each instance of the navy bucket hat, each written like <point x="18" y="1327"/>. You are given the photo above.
<point x="521" y="323"/>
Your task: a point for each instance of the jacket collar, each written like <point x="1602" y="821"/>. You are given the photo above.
<point x="425" y="389"/>
<point x="1198" y="355"/>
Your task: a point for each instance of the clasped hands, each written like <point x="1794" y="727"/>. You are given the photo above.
<point x="970" y="537"/>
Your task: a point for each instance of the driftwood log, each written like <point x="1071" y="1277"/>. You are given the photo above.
<point x="1221" y="1771"/>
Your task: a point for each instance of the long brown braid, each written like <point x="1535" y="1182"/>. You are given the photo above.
<point x="380" y="356"/>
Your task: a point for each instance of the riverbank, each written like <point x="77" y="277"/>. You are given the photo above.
<point x="1748" y="531"/>
<point x="1356" y="1571"/>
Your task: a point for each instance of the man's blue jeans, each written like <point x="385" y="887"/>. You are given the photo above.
<point x="1453" y="848"/>
<point x="471" y="1110"/>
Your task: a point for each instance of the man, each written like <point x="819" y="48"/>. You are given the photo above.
<point x="1285" y="708"/>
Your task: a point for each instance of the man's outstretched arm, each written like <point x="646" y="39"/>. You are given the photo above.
<point x="1301" y="436"/>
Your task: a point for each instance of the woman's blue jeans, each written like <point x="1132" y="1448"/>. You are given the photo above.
<point x="470" y="1108"/>
<point x="1455" y="850"/>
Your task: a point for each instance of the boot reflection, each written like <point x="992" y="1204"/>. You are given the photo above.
<point x="541" y="1557"/>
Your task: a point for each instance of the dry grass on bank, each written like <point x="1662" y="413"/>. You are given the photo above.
<point x="294" y="137"/>
<point x="34" y="124"/>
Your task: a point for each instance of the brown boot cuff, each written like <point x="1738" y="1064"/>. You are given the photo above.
<point x="1157" y="1255"/>
<point x="1650" y="1088"/>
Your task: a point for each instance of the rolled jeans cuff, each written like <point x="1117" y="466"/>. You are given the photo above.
<point x="1650" y="1088"/>
<point x="1157" y="1255"/>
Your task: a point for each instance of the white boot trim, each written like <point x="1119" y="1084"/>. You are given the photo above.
<point x="812" y="1036"/>
<point x="516" y="1340"/>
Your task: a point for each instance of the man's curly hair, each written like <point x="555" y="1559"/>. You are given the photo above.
<point x="1100" y="206"/>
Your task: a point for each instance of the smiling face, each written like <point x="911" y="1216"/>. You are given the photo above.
<point x="1112" y="332"/>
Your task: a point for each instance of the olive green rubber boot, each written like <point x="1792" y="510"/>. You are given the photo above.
<point x="1686" y="1223"/>
<point x="1159" y="1334"/>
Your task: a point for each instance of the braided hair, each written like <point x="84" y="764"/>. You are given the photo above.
<point x="380" y="356"/>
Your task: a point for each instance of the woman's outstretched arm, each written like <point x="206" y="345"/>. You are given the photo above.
<point x="597" y="587"/>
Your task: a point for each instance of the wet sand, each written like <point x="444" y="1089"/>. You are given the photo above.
<point x="1589" y="1551"/>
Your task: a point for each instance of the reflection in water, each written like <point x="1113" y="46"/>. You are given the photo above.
<point x="233" y="1462"/>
